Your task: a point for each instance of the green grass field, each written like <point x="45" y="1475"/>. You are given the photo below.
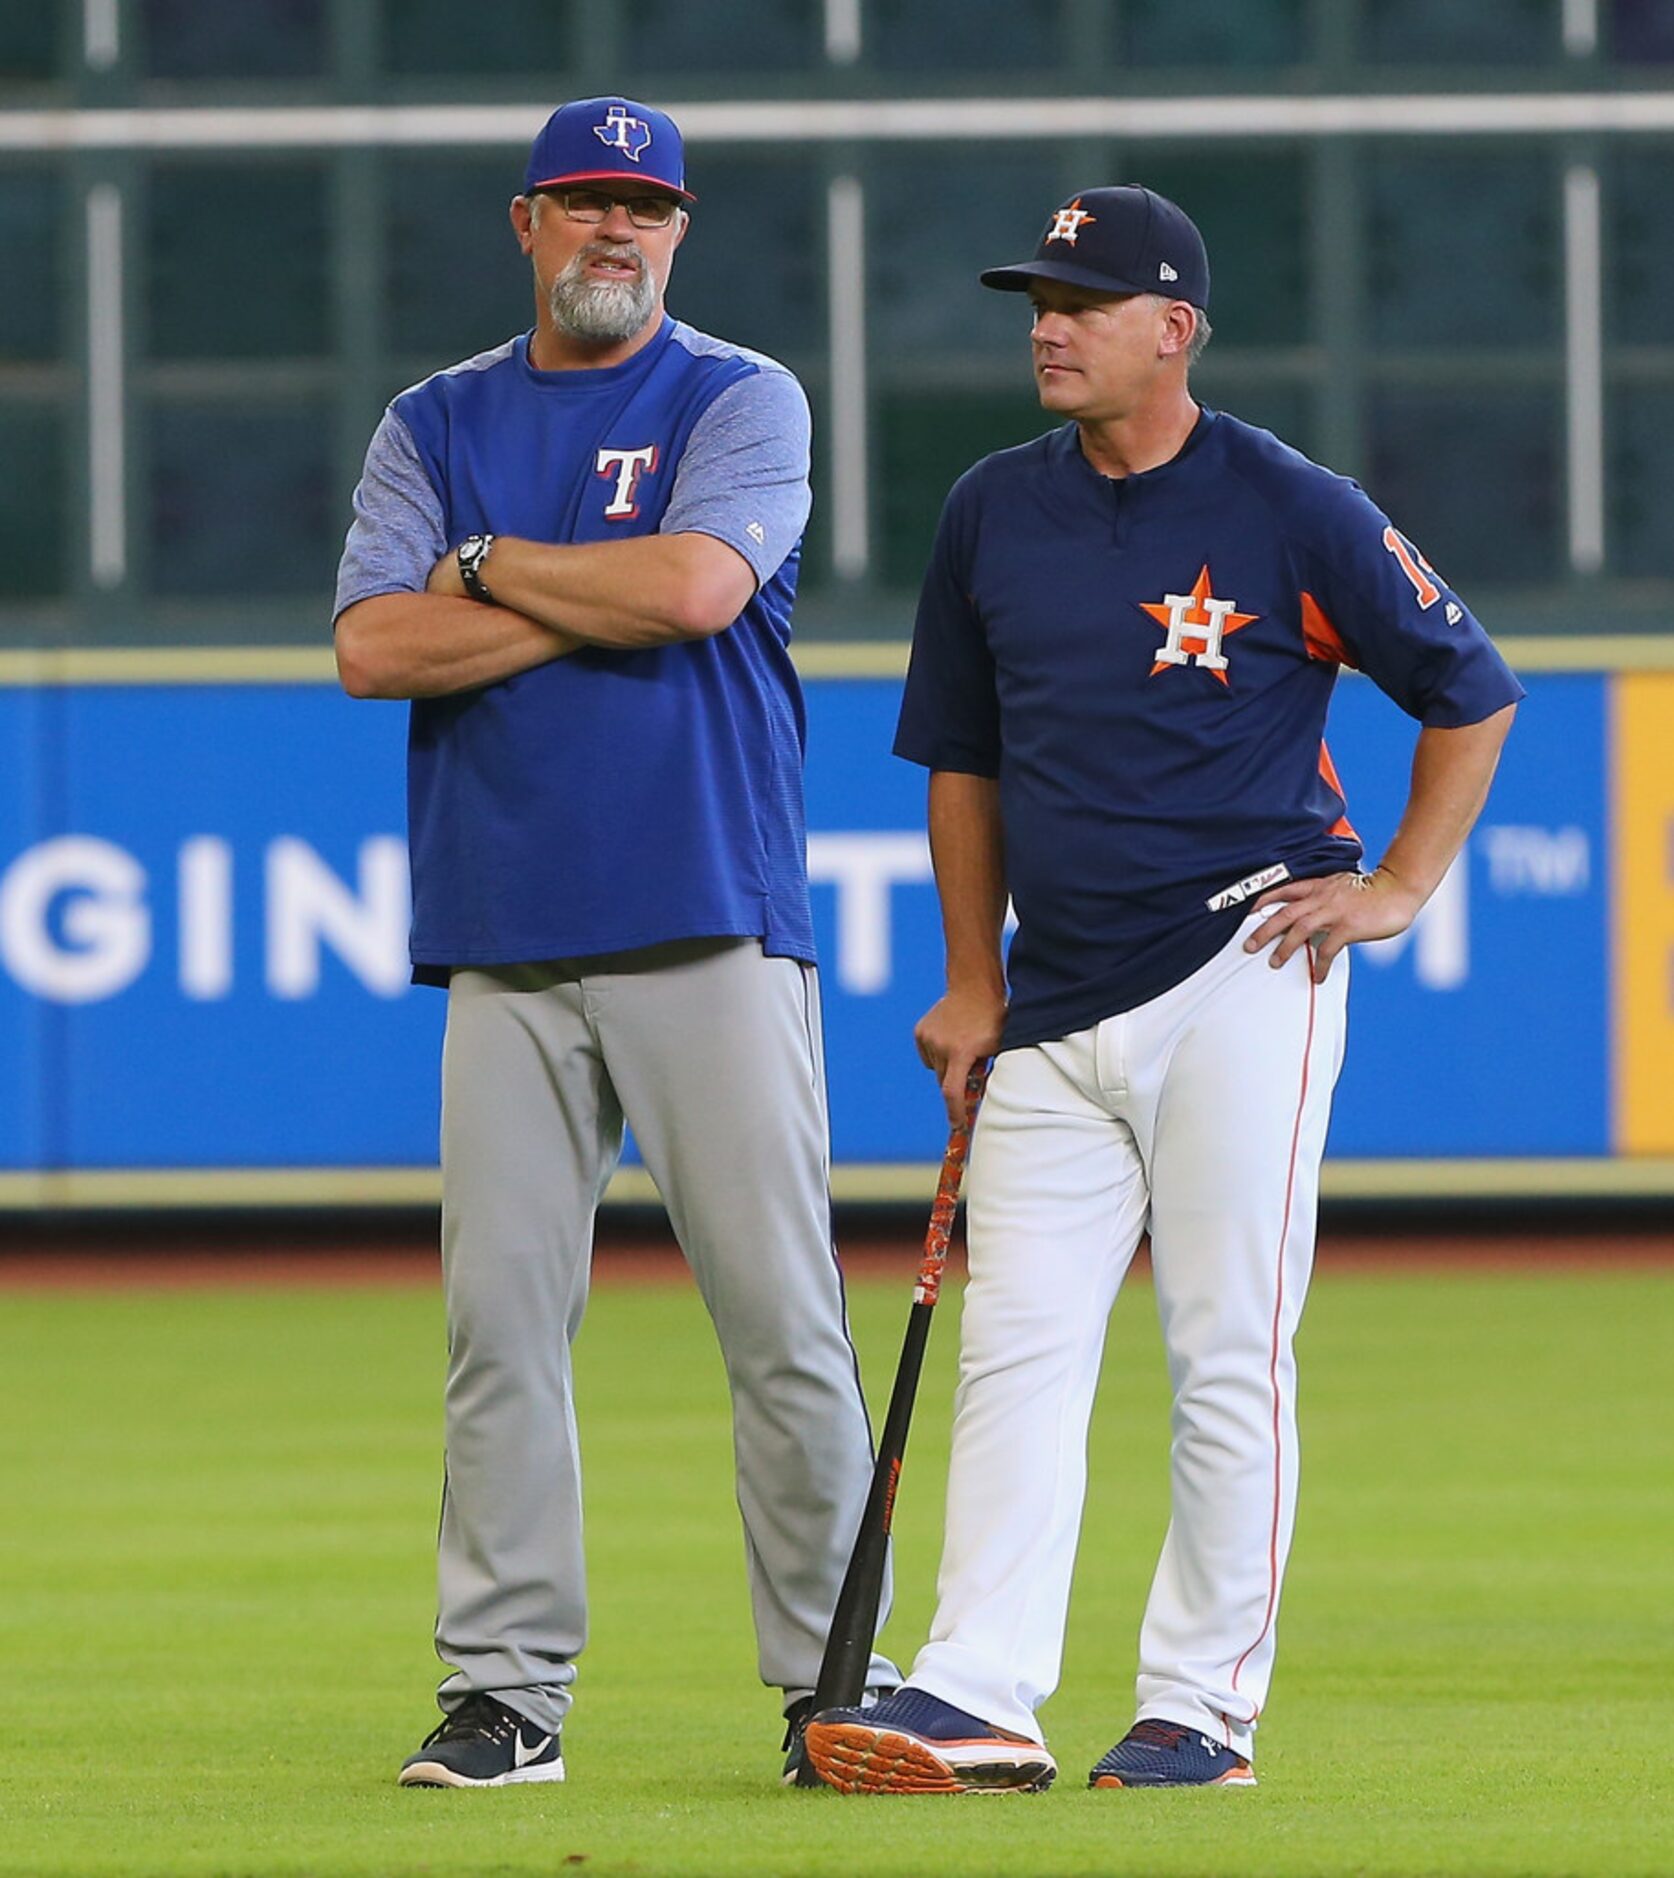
<point x="216" y="1578"/>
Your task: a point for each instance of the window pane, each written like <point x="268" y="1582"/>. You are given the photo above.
<point x="34" y="528"/>
<point x="752" y="266"/>
<point x="770" y="36"/>
<point x="243" y="501"/>
<point x="1640" y="256"/>
<point x="1284" y="409"/>
<point x="1641" y="30"/>
<point x="232" y="38"/>
<point x="1464" y="231"/>
<point x="239" y="261"/>
<point x="31" y="217"/>
<point x="1209" y="32"/>
<point x="1473" y="480"/>
<point x="934" y="36"/>
<point x="1640" y="519"/>
<point x="1504" y="32"/>
<point x="936" y="217"/>
<point x="455" y="280"/>
<point x="815" y="569"/>
<point x="515" y="37"/>
<point x="1251" y="208"/>
<point x="28" y="42"/>
<point x="927" y="441"/>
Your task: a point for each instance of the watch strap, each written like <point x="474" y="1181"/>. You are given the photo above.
<point x="471" y="554"/>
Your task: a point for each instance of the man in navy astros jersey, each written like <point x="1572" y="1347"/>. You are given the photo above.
<point x="576" y="554"/>
<point x="1125" y="647"/>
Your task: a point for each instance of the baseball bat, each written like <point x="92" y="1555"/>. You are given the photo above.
<point x="854" y="1622"/>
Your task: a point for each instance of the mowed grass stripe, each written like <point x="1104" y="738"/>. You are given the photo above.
<point x="215" y="1598"/>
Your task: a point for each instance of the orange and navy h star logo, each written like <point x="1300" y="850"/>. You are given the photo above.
<point x="1066" y="223"/>
<point x="1197" y="625"/>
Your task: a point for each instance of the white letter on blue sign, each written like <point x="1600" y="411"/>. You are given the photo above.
<point x="863" y="868"/>
<point x="104" y="937"/>
<point x="1440" y="937"/>
<point x="206" y="913"/>
<point x="366" y="926"/>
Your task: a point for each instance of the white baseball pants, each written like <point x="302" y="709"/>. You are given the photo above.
<point x="1202" y="1116"/>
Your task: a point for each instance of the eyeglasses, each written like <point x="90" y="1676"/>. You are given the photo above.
<point x="593" y="205"/>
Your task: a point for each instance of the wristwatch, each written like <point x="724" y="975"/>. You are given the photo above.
<point x="472" y="553"/>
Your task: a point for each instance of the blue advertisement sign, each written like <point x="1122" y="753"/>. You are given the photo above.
<point x="210" y="915"/>
<point x="203" y="910"/>
<point x="1484" y="1030"/>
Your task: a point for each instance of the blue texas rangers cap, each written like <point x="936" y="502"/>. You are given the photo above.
<point x="1118" y="240"/>
<point x="602" y="140"/>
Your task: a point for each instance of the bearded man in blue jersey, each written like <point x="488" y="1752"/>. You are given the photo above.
<point x="576" y="554"/>
<point x="1124" y="652"/>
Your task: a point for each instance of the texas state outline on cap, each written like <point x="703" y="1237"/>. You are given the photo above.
<point x="620" y="131"/>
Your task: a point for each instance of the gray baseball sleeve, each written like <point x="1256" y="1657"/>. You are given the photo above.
<point x="743" y="476"/>
<point x="397" y="535"/>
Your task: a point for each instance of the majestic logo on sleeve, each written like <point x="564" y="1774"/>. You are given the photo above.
<point x="1198" y="625"/>
<point x="619" y="131"/>
<point x="626" y="466"/>
<point x="1066" y="223"/>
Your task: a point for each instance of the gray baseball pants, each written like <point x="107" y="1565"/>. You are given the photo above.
<point x="712" y="1052"/>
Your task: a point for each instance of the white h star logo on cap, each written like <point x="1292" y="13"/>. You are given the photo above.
<point x="1066" y="223"/>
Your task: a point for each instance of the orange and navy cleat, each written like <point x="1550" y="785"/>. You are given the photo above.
<point x="912" y="1742"/>
<point x="1164" y="1754"/>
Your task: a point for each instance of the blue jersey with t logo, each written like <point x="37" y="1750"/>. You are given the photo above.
<point x="609" y="799"/>
<point x="1145" y="664"/>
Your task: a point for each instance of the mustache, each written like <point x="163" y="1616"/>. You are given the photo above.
<point x="609" y="251"/>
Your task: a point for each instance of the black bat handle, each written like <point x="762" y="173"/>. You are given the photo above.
<point x="854" y="1623"/>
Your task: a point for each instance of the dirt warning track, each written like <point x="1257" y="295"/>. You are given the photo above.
<point x="120" y="1257"/>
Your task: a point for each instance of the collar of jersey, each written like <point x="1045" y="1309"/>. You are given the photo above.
<point x="1068" y="443"/>
<point x="579" y="381"/>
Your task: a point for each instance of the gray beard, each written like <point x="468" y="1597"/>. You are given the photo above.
<point x="605" y="311"/>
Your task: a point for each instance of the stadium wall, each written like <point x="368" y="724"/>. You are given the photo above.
<point x="203" y="907"/>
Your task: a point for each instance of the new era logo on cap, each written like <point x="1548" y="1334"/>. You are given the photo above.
<point x="1120" y="239"/>
<point x="595" y="139"/>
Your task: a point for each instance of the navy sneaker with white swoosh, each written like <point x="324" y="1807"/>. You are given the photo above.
<point x="1164" y="1754"/>
<point x="484" y="1744"/>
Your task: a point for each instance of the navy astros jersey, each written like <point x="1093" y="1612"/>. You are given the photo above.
<point x="1145" y="664"/>
<point x="610" y="799"/>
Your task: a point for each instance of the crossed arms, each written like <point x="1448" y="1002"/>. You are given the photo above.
<point x="652" y="590"/>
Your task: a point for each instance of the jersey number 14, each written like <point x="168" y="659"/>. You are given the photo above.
<point x="1413" y="565"/>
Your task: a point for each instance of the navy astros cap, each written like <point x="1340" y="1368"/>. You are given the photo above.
<point x="1119" y="240"/>
<point x="602" y="140"/>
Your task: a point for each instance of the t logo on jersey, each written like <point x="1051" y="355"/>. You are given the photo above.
<point x="619" y="131"/>
<point x="1066" y="223"/>
<point x="627" y="466"/>
<point x="1198" y="624"/>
